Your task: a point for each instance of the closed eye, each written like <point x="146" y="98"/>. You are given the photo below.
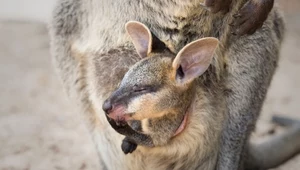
<point x="142" y="89"/>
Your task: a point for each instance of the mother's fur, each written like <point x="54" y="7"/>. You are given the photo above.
<point x="83" y="31"/>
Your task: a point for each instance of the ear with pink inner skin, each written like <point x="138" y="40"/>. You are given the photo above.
<point x="194" y="59"/>
<point x="140" y="36"/>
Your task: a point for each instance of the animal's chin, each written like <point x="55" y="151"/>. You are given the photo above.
<point x="136" y="126"/>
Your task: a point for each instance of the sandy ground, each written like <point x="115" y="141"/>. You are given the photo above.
<point x="39" y="130"/>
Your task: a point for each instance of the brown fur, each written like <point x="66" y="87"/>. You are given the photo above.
<point x="89" y="46"/>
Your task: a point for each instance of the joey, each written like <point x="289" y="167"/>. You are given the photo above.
<point x="157" y="91"/>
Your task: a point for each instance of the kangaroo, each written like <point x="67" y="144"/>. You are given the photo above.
<point x="81" y="31"/>
<point x="172" y="86"/>
<point x="176" y="116"/>
<point x="162" y="105"/>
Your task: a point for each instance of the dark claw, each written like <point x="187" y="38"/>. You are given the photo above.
<point x="127" y="146"/>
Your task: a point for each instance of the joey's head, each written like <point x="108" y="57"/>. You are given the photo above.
<point x="156" y="93"/>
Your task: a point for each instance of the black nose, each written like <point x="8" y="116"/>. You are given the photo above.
<point x="107" y="106"/>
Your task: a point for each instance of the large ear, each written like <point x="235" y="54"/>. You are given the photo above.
<point x="140" y="36"/>
<point x="194" y="59"/>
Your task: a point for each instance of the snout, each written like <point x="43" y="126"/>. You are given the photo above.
<point x="116" y="112"/>
<point x="107" y="106"/>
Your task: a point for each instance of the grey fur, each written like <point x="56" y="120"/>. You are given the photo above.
<point x="83" y="32"/>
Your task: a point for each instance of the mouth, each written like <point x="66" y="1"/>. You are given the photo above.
<point x="119" y="116"/>
<point x="121" y="119"/>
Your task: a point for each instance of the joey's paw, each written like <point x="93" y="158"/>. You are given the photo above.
<point x="251" y="17"/>
<point x="128" y="146"/>
<point x="216" y="6"/>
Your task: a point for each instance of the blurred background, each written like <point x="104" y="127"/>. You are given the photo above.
<point x="39" y="130"/>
